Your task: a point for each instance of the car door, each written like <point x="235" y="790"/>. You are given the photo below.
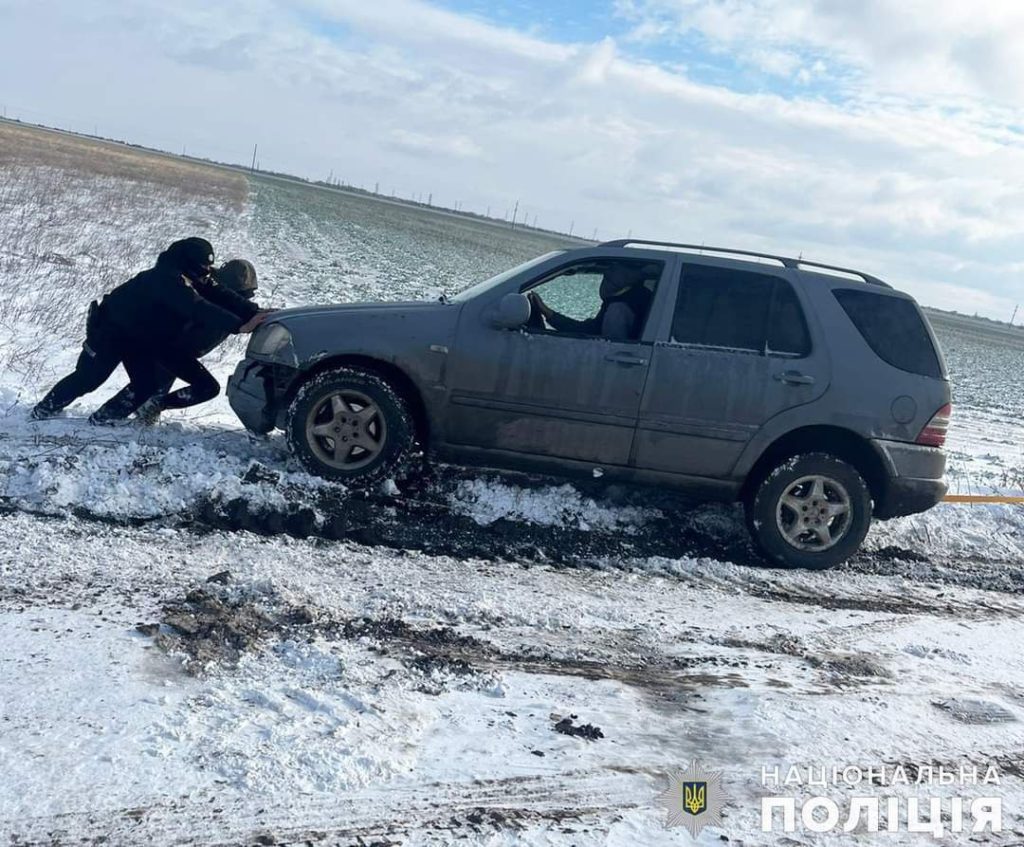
<point x="540" y="392"/>
<point x="734" y="351"/>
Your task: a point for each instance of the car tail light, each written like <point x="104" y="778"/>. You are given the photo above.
<point x="934" y="432"/>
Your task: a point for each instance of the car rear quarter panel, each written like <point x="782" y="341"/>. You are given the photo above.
<point x="866" y="396"/>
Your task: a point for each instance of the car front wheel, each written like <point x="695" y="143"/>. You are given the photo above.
<point x="810" y="511"/>
<point x="349" y="425"/>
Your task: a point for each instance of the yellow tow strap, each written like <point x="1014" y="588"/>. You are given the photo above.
<point x="981" y="498"/>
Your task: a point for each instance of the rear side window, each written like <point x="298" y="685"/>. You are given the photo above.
<point x="893" y="328"/>
<point x="787" y="329"/>
<point x="738" y="310"/>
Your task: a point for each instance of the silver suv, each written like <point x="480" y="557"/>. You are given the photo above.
<point x="815" y="395"/>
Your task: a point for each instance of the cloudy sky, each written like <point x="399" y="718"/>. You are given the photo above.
<point x="886" y="134"/>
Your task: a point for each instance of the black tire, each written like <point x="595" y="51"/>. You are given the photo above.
<point x="777" y="528"/>
<point x="393" y="422"/>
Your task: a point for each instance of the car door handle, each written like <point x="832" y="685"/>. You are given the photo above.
<point x="625" y="359"/>
<point x="794" y="378"/>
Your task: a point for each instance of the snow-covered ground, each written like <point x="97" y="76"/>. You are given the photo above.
<point x="405" y="689"/>
<point x="415" y="691"/>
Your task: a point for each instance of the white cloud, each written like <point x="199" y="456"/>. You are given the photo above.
<point x="917" y="190"/>
<point x="432" y="145"/>
<point x="927" y="48"/>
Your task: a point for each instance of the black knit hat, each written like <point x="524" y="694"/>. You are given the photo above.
<point x="238" y="275"/>
<point x="192" y="256"/>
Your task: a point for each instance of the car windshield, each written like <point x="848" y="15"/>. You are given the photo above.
<point x="480" y="287"/>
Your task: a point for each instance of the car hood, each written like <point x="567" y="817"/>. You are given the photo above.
<point x="417" y="307"/>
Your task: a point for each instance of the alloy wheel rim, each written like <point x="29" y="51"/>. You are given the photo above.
<point x="346" y="430"/>
<point x="814" y="513"/>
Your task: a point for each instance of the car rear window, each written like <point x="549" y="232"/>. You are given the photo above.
<point x="894" y="328"/>
<point x="739" y="310"/>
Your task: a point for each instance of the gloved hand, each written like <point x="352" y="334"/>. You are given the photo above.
<point x="255" y="321"/>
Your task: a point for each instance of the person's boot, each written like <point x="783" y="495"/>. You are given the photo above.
<point x="149" y="412"/>
<point x="97" y="419"/>
<point x="115" y="411"/>
<point x="43" y="412"/>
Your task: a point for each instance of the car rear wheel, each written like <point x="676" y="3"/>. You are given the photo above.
<point x="349" y="425"/>
<point x="810" y="511"/>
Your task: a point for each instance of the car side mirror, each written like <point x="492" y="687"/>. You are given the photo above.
<point x="512" y="311"/>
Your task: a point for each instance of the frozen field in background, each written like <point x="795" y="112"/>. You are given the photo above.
<point x="393" y="695"/>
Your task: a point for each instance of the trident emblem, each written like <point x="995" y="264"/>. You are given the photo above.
<point x="695" y="797"/>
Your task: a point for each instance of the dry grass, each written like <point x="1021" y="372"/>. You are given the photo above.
<point x="78" y="217"/>
<point x="26" y="146"/>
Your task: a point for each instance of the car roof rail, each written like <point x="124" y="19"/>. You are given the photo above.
<point x="785" y="261"/>
<point x="836" y="270"/>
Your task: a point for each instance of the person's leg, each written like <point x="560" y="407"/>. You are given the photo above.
<point x="144" y="376"/>
<point x="94" y="367"/>
<point x="147" y="373"/>
<point x="201" y="383"/>
<point x="149" y="412"/>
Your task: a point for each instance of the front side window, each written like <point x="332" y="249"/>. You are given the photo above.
<point x="739" y="310"/>
<point x="600" y="298"/>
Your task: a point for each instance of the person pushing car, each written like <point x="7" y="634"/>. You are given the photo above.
<point x="197" y="339"/>
<point x="139" y="325"/>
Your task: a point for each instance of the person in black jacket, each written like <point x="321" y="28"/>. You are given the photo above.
<point x="197" y="339"/>
<point x="137" y="324"/>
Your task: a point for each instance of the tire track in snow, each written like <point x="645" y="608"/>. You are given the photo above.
<point x="448" y="810"/>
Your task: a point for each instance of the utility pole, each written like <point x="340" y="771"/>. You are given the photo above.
<point x="571" y="226"/>
<point x="376" y="188"/>
<point x="488" y="211"/>
<point x="515" y="211"/>
<point x="1015" y="308"/>
<point x="253" y="168"/>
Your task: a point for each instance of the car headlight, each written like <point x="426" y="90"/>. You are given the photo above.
<point x="272" y="341"/>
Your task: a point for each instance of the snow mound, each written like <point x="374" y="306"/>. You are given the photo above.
<point x="487" y="501"/>
<point x="54" y="467"/>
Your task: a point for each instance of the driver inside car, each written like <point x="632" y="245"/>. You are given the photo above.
<point x="625" y="301"/>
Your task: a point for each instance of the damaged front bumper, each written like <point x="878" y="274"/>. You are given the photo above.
<point x="255" y="392"/>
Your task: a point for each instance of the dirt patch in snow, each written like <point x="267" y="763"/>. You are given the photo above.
<point x="567" y="726"/>
<point x="855" y="665"/>
<point x="975" y="711"/>
<point x="839" y="669"/>
<point x="785" y="644"/>
<point x="424" y="519"/>
<point x="213" y="624"/>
